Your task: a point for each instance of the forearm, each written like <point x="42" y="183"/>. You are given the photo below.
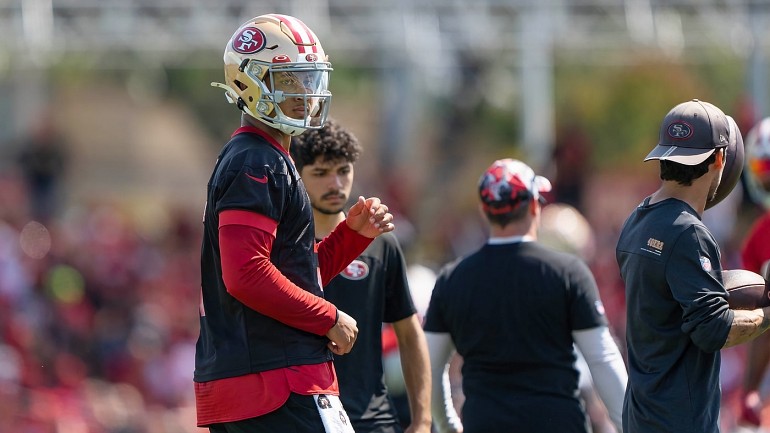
<point x="252" y="279"/>
<point x="441" y="349"/>
<point x="747" y="325"/>
<point x="608" y="370"/>
<point x="415" y="364"/>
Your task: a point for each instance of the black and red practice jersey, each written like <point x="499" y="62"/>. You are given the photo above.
<point x="253" y="174"/>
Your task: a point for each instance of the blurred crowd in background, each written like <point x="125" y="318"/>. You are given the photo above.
<point x="101" y="195"/>
<point x="97" y="321"/>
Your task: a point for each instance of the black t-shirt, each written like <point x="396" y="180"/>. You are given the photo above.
<point x="511" y="310"/>
<point x="373" y="289"/>
<point x="256" y="175"/>
<point x="677" y="319"/>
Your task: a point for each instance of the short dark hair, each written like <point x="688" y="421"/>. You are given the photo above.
<point x="332" y="143"/>
<point x="685" y="174"/>
<point x="516" y="213"/>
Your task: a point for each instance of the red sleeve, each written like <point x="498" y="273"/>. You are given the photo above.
<point x="336" y="251"/>
<point x="755" y="249"/>
<point x="245" y="244"/>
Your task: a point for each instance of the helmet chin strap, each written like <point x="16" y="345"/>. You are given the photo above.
<point x="285" y="127"/>
<point x="271" y="122"/>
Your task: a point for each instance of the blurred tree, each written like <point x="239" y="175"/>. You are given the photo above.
<point x="620" y="108"/>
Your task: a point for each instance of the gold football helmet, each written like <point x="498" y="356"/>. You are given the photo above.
<point x="275" y="59"/>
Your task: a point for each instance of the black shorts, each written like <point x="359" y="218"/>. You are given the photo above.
<point x="298" y="415"/>
<point x="394" y="428"/>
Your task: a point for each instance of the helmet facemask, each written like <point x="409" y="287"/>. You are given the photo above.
<point x="304" y="82"/>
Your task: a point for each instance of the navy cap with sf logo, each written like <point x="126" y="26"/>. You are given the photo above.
<point x="691" y="132"/>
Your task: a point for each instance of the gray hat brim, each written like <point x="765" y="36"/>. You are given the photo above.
<point x="680" y="155"/>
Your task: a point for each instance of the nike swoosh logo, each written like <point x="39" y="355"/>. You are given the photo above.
<point x="262" y="179"/>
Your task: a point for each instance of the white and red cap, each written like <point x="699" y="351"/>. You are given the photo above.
<point x="507" y="183"/>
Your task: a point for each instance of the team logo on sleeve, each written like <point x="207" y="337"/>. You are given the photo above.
<point x="705" y="263"/>
<point x="356" y="270"/>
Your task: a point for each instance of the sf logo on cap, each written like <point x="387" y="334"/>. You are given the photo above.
<point x="679" y="130"/>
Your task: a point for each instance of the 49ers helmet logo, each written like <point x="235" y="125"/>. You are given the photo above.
<point x="356" y="270"/>
<point x="249" y="41"/>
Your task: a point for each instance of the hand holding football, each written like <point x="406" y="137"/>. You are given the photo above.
<point x="746" y="290"/>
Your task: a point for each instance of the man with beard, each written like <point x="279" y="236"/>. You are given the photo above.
<point x="373" y="289"/>
<point x="678" y="317"/>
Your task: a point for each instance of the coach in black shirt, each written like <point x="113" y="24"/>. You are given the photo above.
<point x="678" y="317"/>
<point x="514" y="309"/>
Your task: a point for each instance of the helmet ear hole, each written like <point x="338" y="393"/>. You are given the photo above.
<point x="240" y="85"/>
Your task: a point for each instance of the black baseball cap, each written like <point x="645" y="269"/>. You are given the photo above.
<point x="691" y="132"/>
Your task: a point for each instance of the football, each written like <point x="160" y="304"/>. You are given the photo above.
<point x="746" y="290"/>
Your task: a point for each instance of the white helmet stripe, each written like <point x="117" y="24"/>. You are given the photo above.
<point x="301" y="32"/>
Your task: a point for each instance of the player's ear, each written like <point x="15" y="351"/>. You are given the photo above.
<point x="534" y="206"/>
